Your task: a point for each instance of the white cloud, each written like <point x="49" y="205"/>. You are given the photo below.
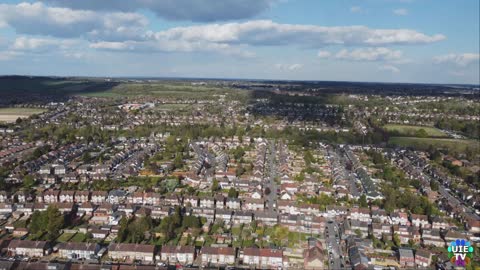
<point x="288" y="67"/>
<point x="457" y="73"/>
<point x="106" y="45"/>
<point x="400" y="12"/>
<point x="369" y="54"/>
<point x="162" y="45"/>
<point x="324" y="54"/>
<point x="355" y="9"/>
<point x="192" y="10"/>
<point x="8" y="55"/>
<point x="75" y="55"/>
<point x="265" y="32"/>
<point x="39" y="19"/>
<point x="390" y="68"/>
<point x="462" y="60"/>
<point x="40" y="44"/>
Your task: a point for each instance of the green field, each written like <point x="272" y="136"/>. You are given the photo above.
<point x="10" y="115"/>
<point x="425" y="143"/>
<point x="408" y="130"/>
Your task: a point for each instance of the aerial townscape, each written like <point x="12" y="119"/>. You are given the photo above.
<point x="244" y="174"/>
<point x="239" y="134"/>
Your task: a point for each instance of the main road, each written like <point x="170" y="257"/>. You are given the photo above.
<point x="332" y="240"/>
<point x="270" y="182"/>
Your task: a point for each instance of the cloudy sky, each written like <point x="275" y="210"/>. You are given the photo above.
<point x="350" y="40"/>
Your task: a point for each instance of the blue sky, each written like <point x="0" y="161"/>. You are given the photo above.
<point x="371" y="40"/>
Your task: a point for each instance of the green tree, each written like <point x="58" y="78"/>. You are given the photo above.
<point x="28" y="181"/>
<point x="434" y="185"/>
<point x="363" y="201"/>
<point x="396" y="239"/>
<point x="421" y="133"/>
<point x="55" y="222"/>
<point x="123" y="231"/>
<point x="232" y="193"/>
<point x="178" y="161"/>
<point x="37" y="222"/>
<point x="215" y="185"/>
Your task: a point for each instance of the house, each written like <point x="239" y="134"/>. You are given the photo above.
<point x="25" y="208"/>
<point x="381" y="230"/>
<point x="99" y="197"/>
<point x="314" y="257"/>
<point x="223" y="214"/>
<point x="23" y="196"/>
<point x="219" y="201"/>
<point x="263" y="257"/>
<point x="254" y="204"/>
<point x="218" y="256"/>
<point x="3" y="196"/>
<point x="152" y="198"/>
<point x="84" y="169"/>
<point x="432" y="237"/>
<point x="143" y="212"/>
<point x="420" y="221"/>
<point x="67" y="196"/>
<point x="135" y="198"/>
<point x="267" y="218"/>
<point x="82" y="196"/>
<point x="100" y="217"/>
<point x="72" y="250"/>
<point x="19" y="232"/>
<point x="59" y="170"/>
<point x="116" y="196"/>
<point x="40" y="207"/>
<point x="208" y="213"/>
<point x="47" y="169"/>
<point x="28" y="248"/>
<point x="380" y="215"/>
<point x="233" y="203"/>
<point x="65" y="207"/>
<point x="207" y="202"/>
<point x="439" y="223"/>
<point x="472" y="222"/>
<point x="51" y="196"/>
<point x="452" y="235"/>
<point x="70" y="178"/>
<point x="99" y="233"/>
<point x="159" y="212"/>
<point x="131" y="252"/>
<point x="400" y="218"/>
<point x="423" y="258"/>
<point x="359" y="227"/>
<point x="173" y="200"/>
<point x="86" y="208"/>
<point x="6" y="208"/>
<point x="177" y="254"/>
<point x="256" y="194"/>
<point x="406" y="258"/>
<point x="360" y="214"/>
<point x="286" y="196"/>
<point x="336" y="210"/>
<point x="242" y="217"/>
<point x="190" y="201"/>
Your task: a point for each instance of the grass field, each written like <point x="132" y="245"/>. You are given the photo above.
<point x="425" y="143"/>
<point x="408" y="130"/>
<point x="10" y="115"/>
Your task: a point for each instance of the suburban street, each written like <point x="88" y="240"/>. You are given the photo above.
<point x="272" y="173"/>
<point x="332" y="242"/>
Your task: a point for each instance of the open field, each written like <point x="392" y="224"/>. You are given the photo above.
<point x="424" y="143"/>
<point x="10" y="115"/>
<point x="408" y="130"/>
